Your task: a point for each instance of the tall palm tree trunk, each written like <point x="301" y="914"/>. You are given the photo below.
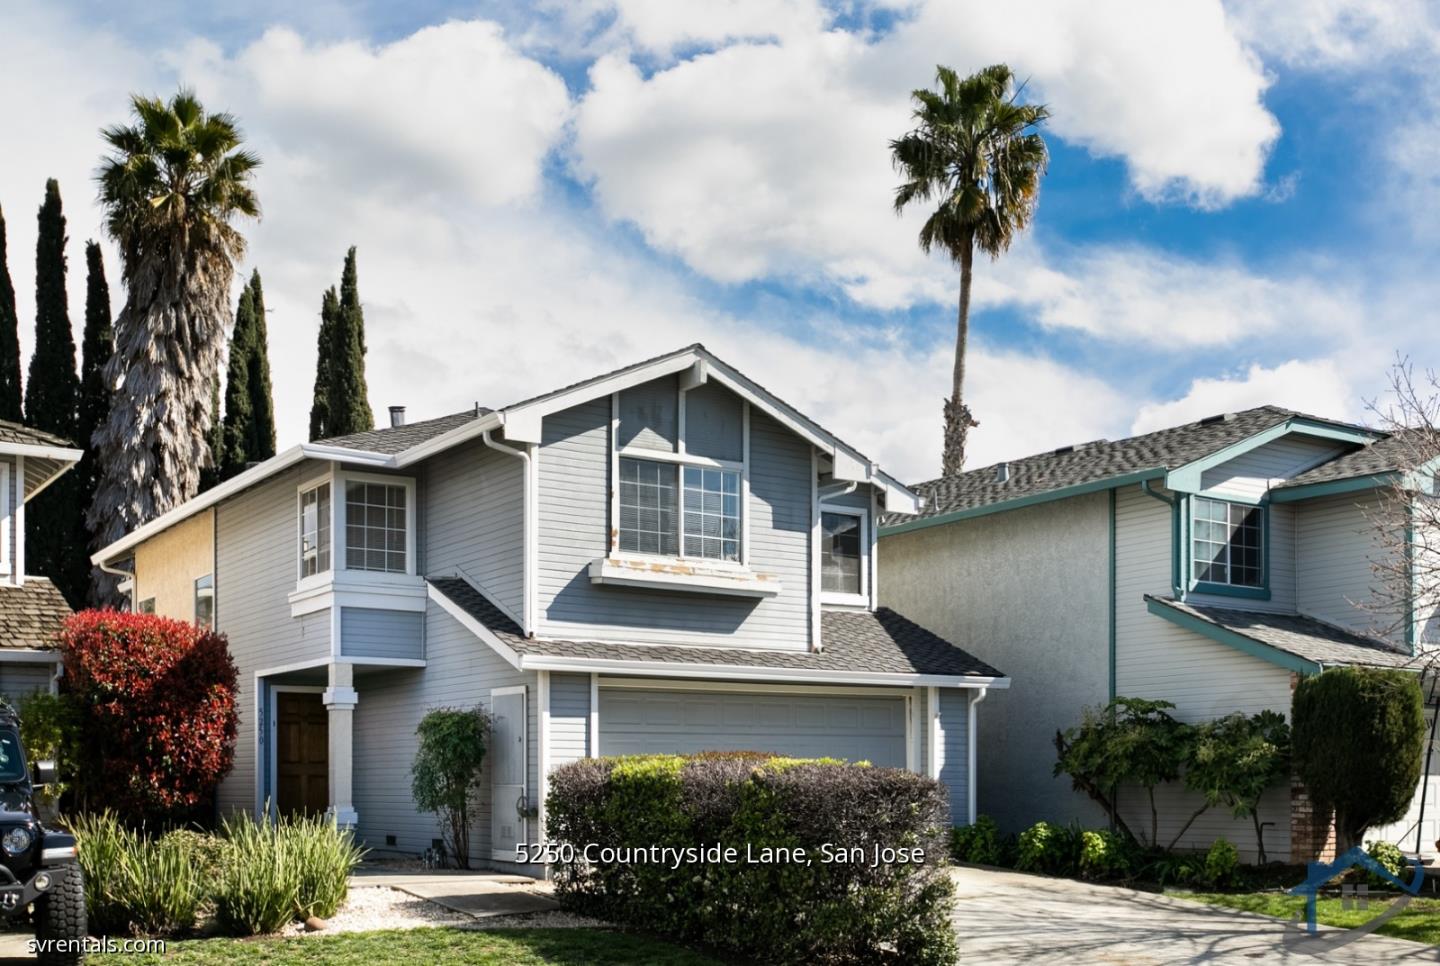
<point x="958" y="420"/>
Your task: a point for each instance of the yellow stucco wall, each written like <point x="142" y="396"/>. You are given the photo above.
<point x="167" y="565"/>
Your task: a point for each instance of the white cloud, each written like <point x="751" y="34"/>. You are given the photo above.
<point x="662" y="25"/>
<point x="450" y="107"/>
<point x="1322" y="387"/>
<point x="1334" y="33"/>
<point x="767" y="160"/>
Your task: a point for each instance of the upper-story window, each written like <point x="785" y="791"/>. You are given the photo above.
<point x="315" y="530"/>
<point x="375" y="526"/>
<point x="698" y="518"/>
<point x="1227" y="543"/>
<point x="842" y="552"/>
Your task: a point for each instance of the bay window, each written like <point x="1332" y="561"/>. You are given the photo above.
<point x="375" y="527"/>
<point x="315" y="530"/>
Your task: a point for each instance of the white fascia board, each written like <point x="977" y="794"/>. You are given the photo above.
<point x="64" y="454"/>
<point x="30" y="655"/>
<point x="663" y="669"/>
<point x="341" y="454"/>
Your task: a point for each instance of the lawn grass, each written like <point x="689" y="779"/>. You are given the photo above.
<point x="1419" y="921"/>
<point x="572" y="947"/>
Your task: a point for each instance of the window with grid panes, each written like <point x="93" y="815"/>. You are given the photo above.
<point x="1226" y="543"/>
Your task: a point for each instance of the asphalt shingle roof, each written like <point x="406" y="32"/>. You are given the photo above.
<point x="1091" y="463"/>
<point x="30" y="615"/>
<point x="396" y="439"/>
<point x="1305" y="637"/>
<point x="1381" y="456"/>
<point x="882" y="642"/>
<point x="17" y="433"/>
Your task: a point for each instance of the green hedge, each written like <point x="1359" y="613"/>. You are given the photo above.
<point x="839" y="906"/>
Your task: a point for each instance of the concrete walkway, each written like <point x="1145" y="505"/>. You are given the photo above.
<point x="479" y="894"/>
<point x="1009" y="917"/>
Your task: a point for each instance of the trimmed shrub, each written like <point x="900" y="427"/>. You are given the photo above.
<point x="1358" y="734"/>
<point x="1221" y="864"/>
<point x="155" y="700"/>
<point x="980" y="843"/>
<point x="445" y="776"/>
<point x="840" y="906"/>
<point x="1389" y="856"/>
<point x="1053" y="849"/>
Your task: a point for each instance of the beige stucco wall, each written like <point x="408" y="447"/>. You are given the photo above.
<point x="167" y="565"/>
<point x="1027" y="591"/>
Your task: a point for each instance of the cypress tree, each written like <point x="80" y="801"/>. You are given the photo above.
<point x="320" y="406"/>
<point x="349" y="397"/>
<point x="262" y="405"/>
<point x="9" y="340"/>
<point x="96" y="347"/>
<point x="56" y="538"/>
<point x="215" y="440"/>
<point x="235" y="437"/>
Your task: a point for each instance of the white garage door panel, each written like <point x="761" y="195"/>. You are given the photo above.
<point x="636" y="722"/>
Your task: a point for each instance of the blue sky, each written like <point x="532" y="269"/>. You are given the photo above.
<point x="1237" y="209"/>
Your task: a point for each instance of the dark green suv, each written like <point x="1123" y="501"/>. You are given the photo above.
<point x="37" y="866"/>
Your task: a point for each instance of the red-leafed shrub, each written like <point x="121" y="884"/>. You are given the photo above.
<point x="157" y="704"/>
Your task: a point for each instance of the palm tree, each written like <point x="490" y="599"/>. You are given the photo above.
<point x="171" y="187"/>
<point x="975" y="149"/>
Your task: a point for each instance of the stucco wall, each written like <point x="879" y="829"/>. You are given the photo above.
<point x="1028" y="592"/>
<point x="167" y="565"/>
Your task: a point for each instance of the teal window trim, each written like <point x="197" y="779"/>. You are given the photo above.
<point x="1187" y="543"/>
<point x="1223" y="635"/>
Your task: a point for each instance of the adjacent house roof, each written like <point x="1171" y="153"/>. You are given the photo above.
<point x="1294" y="641"/>
<point x="401" y="446"/>
<point x="47" y="456"/>
<point x="856" y="643"/>
<point x="1085" y="467"/>
<point x="27" y="435"/>
<point x="31" y="614"/>
<point x="1385" y="455"/>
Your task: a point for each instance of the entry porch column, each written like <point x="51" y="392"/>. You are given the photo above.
<point x="340" y="700"/>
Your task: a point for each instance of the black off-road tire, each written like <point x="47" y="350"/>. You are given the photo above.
<point x="60" y="914"/>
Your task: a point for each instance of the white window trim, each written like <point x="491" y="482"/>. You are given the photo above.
<point x="303" y="580"/>
<point x="862" y="599"/>
<point x="195" y="601"/>
<point x="681" y="459"/>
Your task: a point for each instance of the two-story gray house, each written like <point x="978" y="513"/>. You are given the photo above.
<point x="666" y="558"/>
<point x="1210" y="564"/>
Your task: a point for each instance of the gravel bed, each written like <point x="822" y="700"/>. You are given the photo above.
<point x="370" y="908"/>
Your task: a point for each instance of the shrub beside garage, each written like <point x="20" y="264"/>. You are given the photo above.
<point x="773" y="859"/>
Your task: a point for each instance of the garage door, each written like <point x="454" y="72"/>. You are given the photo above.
<point x="634" y="721"/>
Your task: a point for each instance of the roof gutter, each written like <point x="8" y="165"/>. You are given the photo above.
<point x="662" y="669"/>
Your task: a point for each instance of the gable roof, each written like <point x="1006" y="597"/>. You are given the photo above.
<point x="1094" y="466"/>
<point x="858" y="645"/>
<point x="1384" y="455"/>
<point x="1309" y="643"/>
<point x="401" y="446"/>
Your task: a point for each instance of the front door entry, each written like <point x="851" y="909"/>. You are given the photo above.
<point x="302" y="753"/>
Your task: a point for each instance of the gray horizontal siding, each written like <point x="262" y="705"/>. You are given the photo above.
<point x="19" y="681"/>
<point x="371" y="632"/>
<point x="714" y="423"/>
<point x="953" y="751"/>
<point x="474" y="520"/>
<point x="461" y="672"/>
<point x="569" y="718"/>
<point x="574" y="517"/>
<point x="255" y="572"/>
<point x="1251" y="474"/>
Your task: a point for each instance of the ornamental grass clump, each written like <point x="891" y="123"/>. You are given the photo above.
<point x="324" y="857"/>
<point x="275" y="872"/>
<point x="134" y="884"/>
<point x="803" y="861"/>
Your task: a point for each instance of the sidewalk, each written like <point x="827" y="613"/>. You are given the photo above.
<point x="479" y="894"/>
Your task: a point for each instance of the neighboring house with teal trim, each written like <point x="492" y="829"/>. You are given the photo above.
<point x="1210" y="564"/>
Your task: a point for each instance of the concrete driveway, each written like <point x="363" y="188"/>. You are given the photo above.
<point x="1008" y="917"/>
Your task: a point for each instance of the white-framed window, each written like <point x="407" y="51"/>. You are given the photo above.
<point x="679" y="510"/>
<point x="844" y="554"/>
<point x="147" y="606"/>
<point x="7" y="518"/>
<point x="377" y="526"/>
<point x="315" y="530"/>
<point x="1227" y="543"/>
<point x="205" y="601"/>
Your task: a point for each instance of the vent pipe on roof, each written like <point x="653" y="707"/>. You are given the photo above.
<point x="397" y="416"/>
<point x="1002" y="472"/>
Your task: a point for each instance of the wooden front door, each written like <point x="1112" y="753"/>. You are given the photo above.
<point x="302" y="753"/>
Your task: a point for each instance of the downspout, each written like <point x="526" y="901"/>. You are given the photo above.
<point x="528" y="581"/>
<point x="1174" y="504"/>
<point x="123" y="575"/>
<point x="970" y="784"/>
